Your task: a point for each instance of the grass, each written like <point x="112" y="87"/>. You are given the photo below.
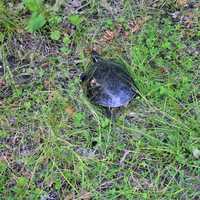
<point x="56" y="144"/>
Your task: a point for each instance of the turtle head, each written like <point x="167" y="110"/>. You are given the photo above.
<point x="95" y="56"/>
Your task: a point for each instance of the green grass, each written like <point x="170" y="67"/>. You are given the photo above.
<point x="54" y="141"/>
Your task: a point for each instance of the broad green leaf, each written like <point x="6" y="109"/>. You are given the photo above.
<point x="22" y="181"/>
<point x="79" y="118"/>
<point x="54" y="20"/>
<point x="64" y="50"/>
<point x="55" y="35"/>
<point x="35" y="22"/>
<point x="75" y="19"/>
<point x="33" y="5"/>
<point x="108" y="23"/>
<point x="66" y="40"/>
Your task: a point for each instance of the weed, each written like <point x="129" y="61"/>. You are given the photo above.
<point x="37" y="19"/>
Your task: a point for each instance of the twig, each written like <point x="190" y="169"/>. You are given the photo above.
<point x="126" y="152"/>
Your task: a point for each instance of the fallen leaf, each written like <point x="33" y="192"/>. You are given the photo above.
<point x="136" y="25"/>
<point x="108" y="36"/>
<point x="181" y="2"/>
<point x="45" y="65"/>
<point x="70" y="110"/>
<point x="163" y="70"/>
<point x="126" y="34"/>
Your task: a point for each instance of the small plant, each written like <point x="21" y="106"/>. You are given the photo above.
<point x="37" y="10"/>
<point x="36" y="22"/>
<point x="54" y="20"/>
<point x="75" y="20"/>
<point x="109" y="23"/>
<point x="55" y="35"/>
<point x="66" y="42"/>
<point x="79" y="118"/>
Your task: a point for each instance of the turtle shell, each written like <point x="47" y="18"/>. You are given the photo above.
<point x="108" y="84"/>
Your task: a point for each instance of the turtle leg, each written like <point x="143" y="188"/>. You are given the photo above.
<point x="109" y="112"/>
<point x="83" y="76"/>
<point x="112" y="113"/>
<point x="95" y="56"/>
<point x="126" y="104"/>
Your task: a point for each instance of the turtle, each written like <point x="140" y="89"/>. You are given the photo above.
<point x="108" y="83"/>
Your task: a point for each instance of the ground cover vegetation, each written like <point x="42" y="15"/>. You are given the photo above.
<point x="55" y="144"/>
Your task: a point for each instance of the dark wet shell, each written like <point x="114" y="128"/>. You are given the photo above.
<point x="108" y="84"/>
